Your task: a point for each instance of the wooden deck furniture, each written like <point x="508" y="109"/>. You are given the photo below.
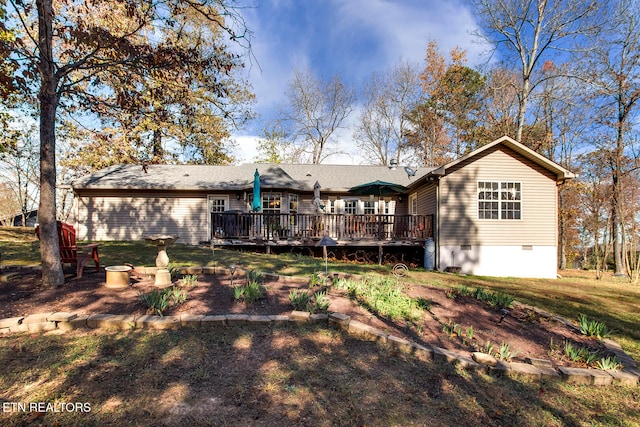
<point x="70" y="253"/>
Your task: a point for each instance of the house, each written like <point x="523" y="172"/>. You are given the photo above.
<point x="491" y="212"/>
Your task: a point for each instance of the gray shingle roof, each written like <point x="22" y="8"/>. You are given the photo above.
<point x="301" y="177"/>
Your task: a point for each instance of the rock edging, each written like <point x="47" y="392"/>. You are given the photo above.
<point x="63" y="321"/>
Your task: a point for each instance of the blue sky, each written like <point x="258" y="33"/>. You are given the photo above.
<point x="352" y="38"/>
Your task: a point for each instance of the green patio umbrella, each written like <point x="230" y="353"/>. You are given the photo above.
<point x="378" y="188"/>
<point x="257" y="199"/>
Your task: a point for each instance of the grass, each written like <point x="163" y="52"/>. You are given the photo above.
<point x="302" y="375"/>
<point x="289" y="375"/>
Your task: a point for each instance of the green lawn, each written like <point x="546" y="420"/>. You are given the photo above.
<point x="301" y="375"/>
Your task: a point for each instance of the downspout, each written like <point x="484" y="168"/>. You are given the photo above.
<point x="436" y="231"/>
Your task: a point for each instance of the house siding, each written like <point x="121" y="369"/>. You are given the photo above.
<point x="104" y="215"/>
<point x="459" y="205"/>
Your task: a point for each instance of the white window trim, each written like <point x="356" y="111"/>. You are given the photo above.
<point x="413" y="197"/>
<point x="500" y="182"/>
<point x="210" y="199"/>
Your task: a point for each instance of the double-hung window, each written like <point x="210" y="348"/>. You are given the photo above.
<point x="499" y="200"/>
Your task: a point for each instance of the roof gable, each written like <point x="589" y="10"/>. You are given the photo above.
<point x="560" y="172"/>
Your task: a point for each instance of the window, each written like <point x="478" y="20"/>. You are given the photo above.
<point x="413" y="204"/>
<point x="217" y="204"/>
<point x="271" y="202"/>
<point x="293" y="203"/>
<point x="369" y="207"/>
<point x="499" y="200"/>
<point x="351" y="206"/>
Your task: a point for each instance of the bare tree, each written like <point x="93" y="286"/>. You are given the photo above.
<point x="315" y="110"/>
<point x="383" y="123"/>
<point x="612" y="69"/>
<point x="564" y="119"/>
<point x="19" y="170"/>
<point x="525" y="32"/>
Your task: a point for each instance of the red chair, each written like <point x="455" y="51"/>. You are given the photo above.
<point x="70" y="253"/>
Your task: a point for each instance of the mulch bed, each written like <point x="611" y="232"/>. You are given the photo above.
<point x="527" y="334"/>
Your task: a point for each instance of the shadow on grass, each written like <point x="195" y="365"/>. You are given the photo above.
<point x="289" y="375"/>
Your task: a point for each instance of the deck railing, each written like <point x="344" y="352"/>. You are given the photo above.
<point x="268" y="226"/>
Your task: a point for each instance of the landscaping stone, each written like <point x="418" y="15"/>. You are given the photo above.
<point x="259" y="320"/>
<point x="279" y="318"/>
<point x="191" y="270"/>
<point x="157" y="322"/>
<point x="299" y="316"/>
<point x="400" y="344"/>
<point x="77" y="323"/>
<point x="122" y="322"/>
<point x="549" y="373"/>
<point x="623" y="378"/>
<point x="191" y="320"/>
<point x="468" y="364"/>
<point x="215" y="321"/>
<point x="319" y="317"/>
<point x="524" y="369"/>
<point x="444" y="355"/>
<point x="422" y="353"/>
<point x="62" y="317"/>
<point x="601" y="377"/>
<point x="236" y="319"/>
<point x="36" y="318"/>
<point x="11" y="321"/>
<point x="339" y="320"/>
<point x="540" y="363"/>
<point x="99" y="320"/>
<point x="40" y="327"/>
<point x="485" y="359"/>
<point x="365" y="331"/>
<point x="500" y="369"/>
<point x="576" y="375"/>
<point x="209" y="270"/>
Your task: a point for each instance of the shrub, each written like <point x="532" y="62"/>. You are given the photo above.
<point x="159" y="300"/>
<point x="505" y="353"/>
<point x="592" y="328"/>
<point x="307" y="301"/>
<point x="249" y="293"/>
<point x="256" y="276"/>
<point x="299" y="299"/>
<point x="608" y="363"/>
<point x="316" y="280"/>
<point x="190" y="280"/>
<point x="320" y="303"/>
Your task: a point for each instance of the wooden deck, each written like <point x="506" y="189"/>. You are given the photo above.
<point x="361" y="230"/>
<point x="359" y="238"/>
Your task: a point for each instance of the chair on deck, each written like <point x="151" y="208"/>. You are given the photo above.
<point x="70" y="253"/>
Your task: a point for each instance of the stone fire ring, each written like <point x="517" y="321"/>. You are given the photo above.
<point x="117" y="276"/>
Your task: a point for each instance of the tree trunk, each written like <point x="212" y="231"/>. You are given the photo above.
<point x="52" y="274"/>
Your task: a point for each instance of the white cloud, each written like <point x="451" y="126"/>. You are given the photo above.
<point x="351" y="37"/>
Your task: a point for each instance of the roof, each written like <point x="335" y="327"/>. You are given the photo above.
<point x="301" y="177"/>
<point x="560" y="172"/>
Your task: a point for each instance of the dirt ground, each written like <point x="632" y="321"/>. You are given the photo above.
<point x="527" y="334"/>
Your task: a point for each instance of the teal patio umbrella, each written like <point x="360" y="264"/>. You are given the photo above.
<point x="257" y="199"/>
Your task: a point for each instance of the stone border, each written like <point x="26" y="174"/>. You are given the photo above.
<point x="535" y="368"/>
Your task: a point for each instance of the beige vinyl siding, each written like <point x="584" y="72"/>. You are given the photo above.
<point x="459" y="204"/>
<point x="132" y="216"/>
<point x="427" y="202"/>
